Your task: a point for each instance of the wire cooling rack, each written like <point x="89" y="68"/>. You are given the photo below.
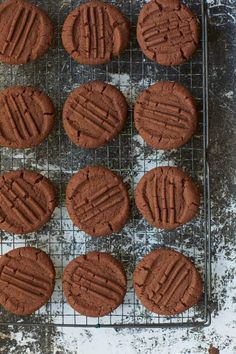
<point x="127" y="155"/>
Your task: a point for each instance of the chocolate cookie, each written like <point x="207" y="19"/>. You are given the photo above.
<point x="167" y="197"/>
<point x="165" y="115"/>
<point x="94" y="113"/>
<point x="27" y="279"/>
<point x="94" y="284"/>
<point x="94" y="32"/>
<point x="167" y="32"/>
<point x="26" y="117"/>
<point x="97" y="201"/>
<point x="26" y="32"/>
<point x="27" y="200"/>
<point x="213" y="350"/>
<point x="167" y="283"/>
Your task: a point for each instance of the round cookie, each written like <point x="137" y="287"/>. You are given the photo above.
<point x="167" y="32"/>
<point x="167" y="197"/>
<point x="27" y="279"/>
<point x="94" y="32"/>
<point x="94" y="114"/>
<point x="165" y="115"/>
<point x="26" y="117"/>
<point x="167" y="283"/>
<point x="94" y="284"/>
<point x="27" y="201"/>
<point x="26" y="32"/>
<point x="213" y="350"/>
<point x="97" y="201"/>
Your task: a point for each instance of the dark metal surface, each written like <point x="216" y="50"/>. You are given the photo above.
<point x="127" y="155"/>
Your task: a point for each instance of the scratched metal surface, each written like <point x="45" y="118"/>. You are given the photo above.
<point x="127" y="155"/>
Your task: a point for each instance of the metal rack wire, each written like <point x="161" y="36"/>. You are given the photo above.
<point x="127" y="155"/>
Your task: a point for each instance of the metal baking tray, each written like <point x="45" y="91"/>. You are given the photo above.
<point x="127" y="155"/>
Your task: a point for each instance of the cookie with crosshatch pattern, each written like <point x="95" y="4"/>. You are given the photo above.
<point x="94" y="113"/>
<point x="97" y="201"/>
<point x="94" y="284"/>
<point x="167" y="197"/>
<point x="165" y="115"/>
<point x="167" y="32"/>
<point x="167" y="283"/>
<point x="26" y="32"/>
<point x="95" y="32"/>
<point x="27" y="201"/>
<point x="27" y="279"/>
<point x="26" y="117"/>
